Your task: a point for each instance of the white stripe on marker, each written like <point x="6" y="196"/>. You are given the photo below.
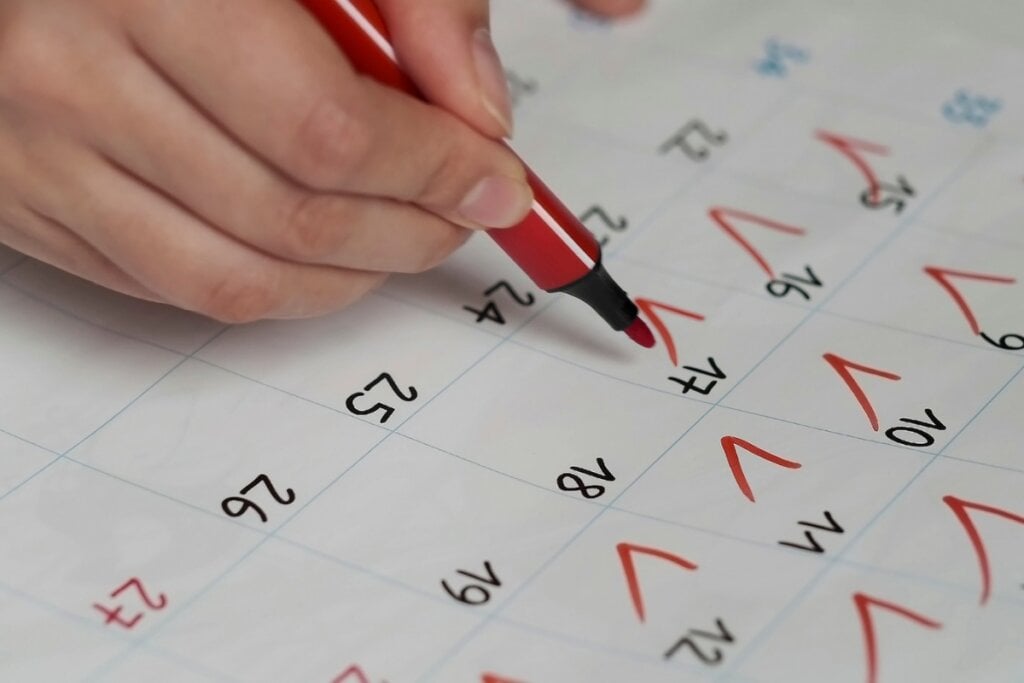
<point x="370" y="30"/>
<point x="560" y="231"/>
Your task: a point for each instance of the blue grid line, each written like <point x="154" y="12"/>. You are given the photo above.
<point x="696" y="399"/>
<point x="893" y="234"/>
<point x="183" y="608"/>
<point x="701" y="175"/>
<point x="433" y="596"/>
<point x="953" y="231"/>
<point x="110" y="419"/>
<point x="29" y="442"/>
<point x="62" y="455"/>
<point x="88" y="321"/>
<point x="902" y="226"/>
<point x="93" y="626"/>
<point x="947" y="586"/>
<point x="981" y="463"/>
<point x="727" y="407"/>
<point x="805" y="592"/>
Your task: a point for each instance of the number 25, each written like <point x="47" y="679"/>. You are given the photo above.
<point x="410" y="395"/>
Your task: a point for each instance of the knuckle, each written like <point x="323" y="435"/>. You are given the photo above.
<point x="309" y="234"/>
<point x="449" y="176"/>
<point x="240" y="298"/>
<point x="330" y="146"/>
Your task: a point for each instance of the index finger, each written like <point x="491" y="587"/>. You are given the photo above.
<point x="269" y="75"/>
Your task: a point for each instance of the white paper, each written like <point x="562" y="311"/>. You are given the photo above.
<point x="402" y="493"/>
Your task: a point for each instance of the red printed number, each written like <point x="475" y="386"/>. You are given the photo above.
<point x="626" y="552"/>
<point x="113" y="616"/>
<point x="844" y="368"/>
<point x="725" y="217"/>
<point x="729" y="446"/>
<point x="864" y="604"/>
<point x="962" y="509"/>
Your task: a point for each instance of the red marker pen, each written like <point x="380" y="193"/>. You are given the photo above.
<point x="550" y="245"/>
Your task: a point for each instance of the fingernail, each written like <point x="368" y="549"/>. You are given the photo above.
<point x="491" y="79"/>
<point x="497" y="202"/>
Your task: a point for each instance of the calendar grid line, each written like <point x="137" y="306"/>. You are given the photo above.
<point x="583" y="643"/>
<point x="545" y="612"/>
<point x="990" y="465"/>
<point x="697" y="528"/>
<point x="954" y="231"/>
<point x="285" y="392"/>
<point x="722" y="406"/>
<point x="182" y="608"/>
<point x="92" y="627"/>
<point x="523" y="344"/>
<point x="197" y="596"/>
<point x="202" y="360"/>
<point x="450" y="317"/>
<point x="432" y="671"/>
<point x="351" y="566"/>
<point x="346" y="564"/>
<point x="60" y="456"/>
<point x="521" y="625"/>
<point x="679" y="275"/>
<point x="165" y="496"/>
<point x="29" y="442"/>
<point x="597" y="647"/>
<point x="804" y="593"/>
<point x="518" y="342"/>
<point x="738" y="290"/>
<point x="950" y="231"/>
<point x="93" y="323"/>
<point x="63" y="454"/>
<point x="902" y="225"/>
<point x="459" y="646"/>
<point x="991" y="399"/>
<point x="703" y="174"/>
<point x="941" y="584"/>
<point x="667" y="271"/>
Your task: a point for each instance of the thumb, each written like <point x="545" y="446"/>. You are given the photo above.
<point x="445" y="47"/>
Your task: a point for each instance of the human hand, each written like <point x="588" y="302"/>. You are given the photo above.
<point x="223" y="157"/>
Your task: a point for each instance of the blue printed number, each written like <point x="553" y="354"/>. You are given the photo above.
<point x="778" y="57"/>
<point x="976" y="110"/>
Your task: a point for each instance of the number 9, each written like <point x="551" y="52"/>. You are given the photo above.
<point x="464" y="595"/>
<point x="1010" y="342"/>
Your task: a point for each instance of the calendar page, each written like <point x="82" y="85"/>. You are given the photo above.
<point x="816" y="474"/>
